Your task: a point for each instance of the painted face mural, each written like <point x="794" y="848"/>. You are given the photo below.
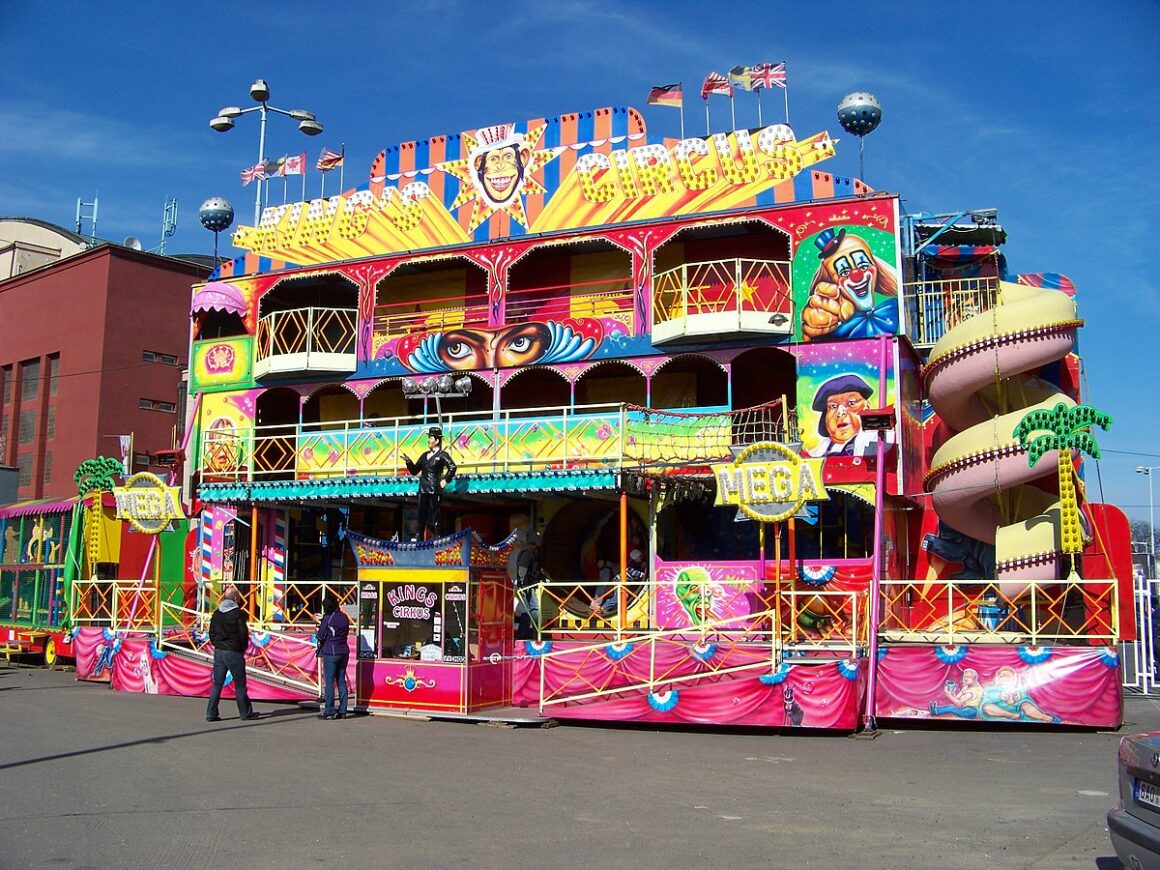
<point x="841" y="301"/>
<point x="499" y="172"/>
<point x="841" y="401"/>
<point x="521" y="344"/>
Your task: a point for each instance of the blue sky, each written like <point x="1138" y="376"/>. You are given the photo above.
<point x="1045" y="111"/>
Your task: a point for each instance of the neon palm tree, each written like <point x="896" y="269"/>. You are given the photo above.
<point x="96" y="475"/>
<point x="1064" y="429"/>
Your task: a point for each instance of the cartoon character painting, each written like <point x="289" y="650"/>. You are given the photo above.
<point x="841" y="401"/>
<point x="1004" y="699"/>
<point x="842" y="293"/>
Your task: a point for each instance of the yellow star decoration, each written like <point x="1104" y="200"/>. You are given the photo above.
<point x="463" y="170"/>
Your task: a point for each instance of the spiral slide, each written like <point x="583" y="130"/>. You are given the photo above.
<point x="981" y="380"/>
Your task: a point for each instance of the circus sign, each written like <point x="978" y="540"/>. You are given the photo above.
<point x="769" y="482"/>
<point x="148" y="503"/>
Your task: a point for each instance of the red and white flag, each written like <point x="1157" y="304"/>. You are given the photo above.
<point x="295" y="165"/>
<point x="257" y="172"/>
<point x="715" y="83"/>
<point x="329" y="160"/>
<point x="767" y="75"/>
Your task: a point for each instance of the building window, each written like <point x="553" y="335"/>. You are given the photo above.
<point x="29" y="380"/>
<point x="156" y="405"/>
<point x="50" y="422"/>
<point x="24" y="466"/>
<point x="6" y="375"/>
<point x="53" y="372"/>
<point x="27" y="426"/>
<point x="47" y="466"/>
<point x="154" y="356"/>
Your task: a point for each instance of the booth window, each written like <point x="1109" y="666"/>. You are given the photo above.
<point x="423" y="621"/>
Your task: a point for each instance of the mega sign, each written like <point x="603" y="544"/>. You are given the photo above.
<point x="769" y="482"/>
<point x="148" y="503"/>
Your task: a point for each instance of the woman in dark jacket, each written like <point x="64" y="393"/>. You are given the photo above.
<point x="332" y="648"/>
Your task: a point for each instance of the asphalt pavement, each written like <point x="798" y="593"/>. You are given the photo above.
<point x="95" y="778"/>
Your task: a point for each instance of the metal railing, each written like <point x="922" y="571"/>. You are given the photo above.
<point x="306" y="331"/>
<point x="934" y="307"/>
<point x="740" y="285"/>
<point x="118" y="605"/>
<point x="980" y="611"/>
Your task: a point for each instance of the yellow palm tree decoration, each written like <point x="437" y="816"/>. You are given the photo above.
<point x="1064" y="429"/>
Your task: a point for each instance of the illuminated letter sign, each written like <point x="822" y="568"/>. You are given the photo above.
<point x="148" y="503"/>
<point x="769" y="482"/>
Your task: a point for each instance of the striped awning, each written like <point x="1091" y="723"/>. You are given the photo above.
<point x="41" y="506"/>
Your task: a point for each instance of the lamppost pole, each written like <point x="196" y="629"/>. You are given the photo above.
<point x="260" y="93"/>
<point x="1147" y="470"/>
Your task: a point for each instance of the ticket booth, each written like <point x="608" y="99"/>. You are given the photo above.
<point x="434" y="624"/>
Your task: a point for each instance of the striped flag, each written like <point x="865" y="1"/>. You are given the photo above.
<point x="273" y="167"/>
<point x="740" y="76"/>
<point x="667" y="95"/>
<point x="715" y="83"/>
<point x="257" y="172"/>
<point x="766" y="75"/>
<point x="328" y="160"/>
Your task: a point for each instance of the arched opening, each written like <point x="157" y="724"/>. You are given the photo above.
<point x="592" y="278"/>
<point x="690" y="381"/>
<point x="217" y="324"/>
<point x="742" y="240"/>
<point x="331" y="407"/>
<point x="609" y="384"/>
<point x="761" y="379"/>
<point x="430" y="296"/>
<point x="307" y="323"/>
<point x="536" y="388"/>
<point x="275" y="436"/>
<point x="385" y="404"/>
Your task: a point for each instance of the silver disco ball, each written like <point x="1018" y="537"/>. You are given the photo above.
<point x="859" y="113"/>
<point x="216" y="214"/>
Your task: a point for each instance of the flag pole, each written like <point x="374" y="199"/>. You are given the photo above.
<point x="786" y="89"/>
<point x="682" y="108"/>
<point x="304" y="178"/>
<point x="322" y="189"/>
<point x="341" y="166"/>
<point x="708" y="128"/>
<point x="759" y="124"/>
<point x="732" y="111"/>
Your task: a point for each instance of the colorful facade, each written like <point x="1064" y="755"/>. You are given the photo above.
<point x="785" y="414"/>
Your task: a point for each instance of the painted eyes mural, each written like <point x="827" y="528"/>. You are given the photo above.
<point x="521" y="344"/>
<point x="841" y="303"/>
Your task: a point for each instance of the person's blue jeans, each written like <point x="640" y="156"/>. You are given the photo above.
<point x="224" y="661"/>
<point x="334" y="671"/>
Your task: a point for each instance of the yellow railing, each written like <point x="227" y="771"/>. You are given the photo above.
<point x="978" y="611"/>
<point x="934" y="307"/>
<point x="722" y="285"/>
<point x="307" y="330"/>
<point x="118" y="605"/>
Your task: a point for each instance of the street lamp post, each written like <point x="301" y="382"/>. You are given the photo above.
<point x="260" y="93"/>
<point x="1147" y="470"/>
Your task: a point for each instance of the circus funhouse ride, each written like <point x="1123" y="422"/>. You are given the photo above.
<point x="772" y="434"/>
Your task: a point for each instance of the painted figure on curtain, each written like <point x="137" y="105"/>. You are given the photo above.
<point x="854" y="292"/>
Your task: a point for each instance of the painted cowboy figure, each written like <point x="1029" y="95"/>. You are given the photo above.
<point x="436" y="469"/>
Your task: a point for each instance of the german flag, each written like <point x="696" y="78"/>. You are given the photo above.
<point x="666" y="95"/>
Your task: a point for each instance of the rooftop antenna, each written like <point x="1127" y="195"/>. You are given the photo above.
<point x="89" y="215"/>
<point x="168" y="223"/>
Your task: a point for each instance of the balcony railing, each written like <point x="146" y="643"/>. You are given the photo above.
<point x="722" y="296"/>
<point x="307" y="339"/>
<point x="606" y="298"/>
<point x="934" y="307"/>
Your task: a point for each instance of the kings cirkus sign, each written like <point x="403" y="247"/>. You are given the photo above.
<point x="769" y="482"/>
<point x="500" y="169"/>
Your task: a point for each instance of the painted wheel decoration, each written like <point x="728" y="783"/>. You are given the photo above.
<point x="617" y="651"/>
<point x="818" y="575"/>
<point x="662" y="702"/>
<point x="1034" y="655"/>
<point x="950" y="655"/>
<point x="538" y="647"/>
<point x="704" y="651"/>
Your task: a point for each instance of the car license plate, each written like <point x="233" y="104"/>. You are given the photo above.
<point x="1146" y="793"/>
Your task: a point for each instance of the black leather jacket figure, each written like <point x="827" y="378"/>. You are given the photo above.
<point x="435" y="468"/>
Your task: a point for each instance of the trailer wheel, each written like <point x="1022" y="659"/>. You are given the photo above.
<point x="50" y="656"/>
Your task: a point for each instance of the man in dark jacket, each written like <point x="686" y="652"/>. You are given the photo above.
<point x="435" y="469"/>
<point x="230" y="636"/>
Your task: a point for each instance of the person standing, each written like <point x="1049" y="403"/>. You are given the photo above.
<point x="334" y="651"/>
<point x="230" y="636"/>
<point x="436" y="469"/>
<point x="529" y="576"/>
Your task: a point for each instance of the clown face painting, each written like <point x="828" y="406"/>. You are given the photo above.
<point x="842" y="294"/>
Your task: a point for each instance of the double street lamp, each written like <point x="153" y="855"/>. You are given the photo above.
<point x="260" y="92"/>
<point x="1147" y="470"/>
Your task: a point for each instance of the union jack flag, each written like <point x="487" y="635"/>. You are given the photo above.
<point x="257" y="172"/>
<point x="766" y="75"/>
<point x="715" y="83"/>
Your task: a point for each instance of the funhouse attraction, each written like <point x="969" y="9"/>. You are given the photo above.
<point x="579" y="424"/>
